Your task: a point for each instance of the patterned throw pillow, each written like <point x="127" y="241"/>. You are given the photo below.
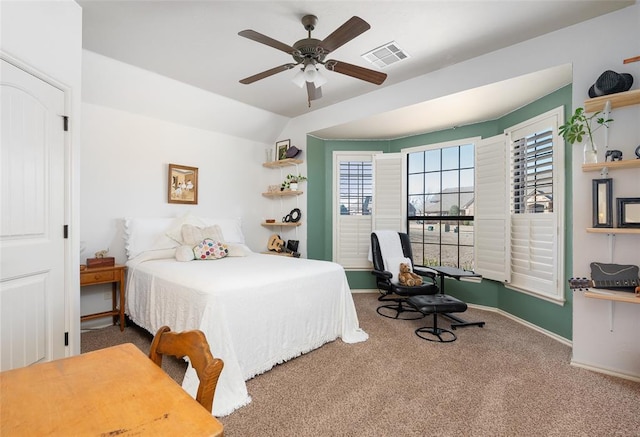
<point x="210" y="249"/>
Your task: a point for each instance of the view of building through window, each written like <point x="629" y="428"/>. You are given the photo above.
<point x="440" y="206"/>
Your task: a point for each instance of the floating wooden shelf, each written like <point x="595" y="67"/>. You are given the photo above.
<point x="598" y="166"/>
<point x="282" y="163"/>
<point x="617" y="100"/>
<point x="614" y="230"/>
<point x="613" y="295"/>
<point x="281" y="224"/>
<point x="278" y="253"/>
<point x="282" y="193"/>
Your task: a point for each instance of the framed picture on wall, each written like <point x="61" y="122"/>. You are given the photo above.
<point x="183" y="184"/>
<point x="628" y="212"/>
<point x="602" y="203"/>
<point x="281" y="149"/>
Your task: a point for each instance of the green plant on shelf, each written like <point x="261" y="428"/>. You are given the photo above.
<point x="291" y="179"/>
<point x="580" y="125"/>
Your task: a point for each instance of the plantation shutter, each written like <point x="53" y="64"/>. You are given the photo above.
<point x="353" y="201"/>
<point x="535" y="168"/>
<point x="492" y="222"/>
<point x="389" y="207"/>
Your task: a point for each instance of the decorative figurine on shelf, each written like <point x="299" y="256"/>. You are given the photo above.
<point x="616" y="155"/>
<point x="101" y="260"/>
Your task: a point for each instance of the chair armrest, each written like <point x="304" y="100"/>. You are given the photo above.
<point x="382" y="274"/>
<point x="420" y="270"/>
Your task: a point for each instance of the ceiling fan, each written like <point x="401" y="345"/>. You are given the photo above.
<point x="311" y="52"/>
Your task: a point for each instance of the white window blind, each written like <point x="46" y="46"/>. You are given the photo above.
<point x="389" y="207"/>
<point x="492" y="223"/>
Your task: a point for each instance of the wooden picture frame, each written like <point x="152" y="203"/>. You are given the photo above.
<point x="628" y="212"/>
<point x="183" y="184"/>
<point x="281" y="149"/>
<point x="602" y="203"/>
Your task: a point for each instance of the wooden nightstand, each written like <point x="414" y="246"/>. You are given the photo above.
<point x="106" y="275"/>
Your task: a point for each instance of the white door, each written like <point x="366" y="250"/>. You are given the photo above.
<point x="32" y="192"/>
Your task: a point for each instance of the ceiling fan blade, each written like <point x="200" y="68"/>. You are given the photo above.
<point x="267" y="73"/>
<point x="258" y="37"/>
<point x="355" y="71"/>
<point x="345" y="33"/>
<point x="313" y="92"/>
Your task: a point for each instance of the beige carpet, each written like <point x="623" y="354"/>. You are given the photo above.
<point x="501" y="380"/>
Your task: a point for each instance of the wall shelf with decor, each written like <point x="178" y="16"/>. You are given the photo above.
<point x="598" y="166"/>
<point x="281" y="224"/>
<point x="283" y="193"/>
<point x="614" y="230"/>
<point x="613" y="295"/>
<point x="282" y="163"/>
<point x="618" y="100"/>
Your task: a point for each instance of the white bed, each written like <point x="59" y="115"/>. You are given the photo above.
<point x="256" y="310"/>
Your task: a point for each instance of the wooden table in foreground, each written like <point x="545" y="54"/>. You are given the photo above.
<point x="112" y="391"/>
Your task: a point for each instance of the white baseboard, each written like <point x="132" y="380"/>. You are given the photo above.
<point x="606" y="371"/>
<point x="553" y="335"/>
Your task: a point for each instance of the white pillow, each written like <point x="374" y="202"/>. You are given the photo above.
<point x="231" y="228"/>
<point x="175" y="231"/>
<point x="393" y="265"/>
<point x="238" y="249"/>
<point x="192" y="235"/>
<point x="184" y="253"/>
<point x="143" y="234"/>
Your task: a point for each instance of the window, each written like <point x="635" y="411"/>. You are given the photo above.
<point x="532" y="164"/>
<point x="352" y="207"/>
<point x="440" y="205"/>
<point x="355" y="188"/>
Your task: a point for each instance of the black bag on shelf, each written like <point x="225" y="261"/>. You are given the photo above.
<point x="615" y="276"/>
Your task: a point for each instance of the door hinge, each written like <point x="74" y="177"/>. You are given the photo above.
<point x="65" y="123"/>
<point x="65" y="231"/>
<point x="66" y="339"/>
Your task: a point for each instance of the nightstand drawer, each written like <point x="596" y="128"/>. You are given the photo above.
<point x="95" y="277"/>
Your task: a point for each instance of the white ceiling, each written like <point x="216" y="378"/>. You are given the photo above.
<point x="197" y="42"/>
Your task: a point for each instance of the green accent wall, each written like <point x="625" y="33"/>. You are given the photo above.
<point x="547" y="315"/>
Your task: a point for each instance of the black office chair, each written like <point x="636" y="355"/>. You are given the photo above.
<point x="396" y="293"/>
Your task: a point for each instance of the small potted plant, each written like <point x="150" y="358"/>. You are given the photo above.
<point x="579" y="126"/>
<point x="291" y="182"/>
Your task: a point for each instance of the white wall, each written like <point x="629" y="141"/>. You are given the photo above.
<point x="592" y="47"/>
<point x="128" y="142"/>
<point x="47" y="37"/>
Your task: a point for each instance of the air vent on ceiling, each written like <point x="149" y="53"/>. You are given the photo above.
<point x="386" y="55"/>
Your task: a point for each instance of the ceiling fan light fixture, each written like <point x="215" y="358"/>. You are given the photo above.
<point x="320" y="79"/>
<point x="299" y="79"/>
<point x="310" y="72"/>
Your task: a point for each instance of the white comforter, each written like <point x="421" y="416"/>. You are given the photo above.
<point x="256" y="311"/>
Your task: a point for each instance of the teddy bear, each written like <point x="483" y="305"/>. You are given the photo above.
<point x="407" y="277"/>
